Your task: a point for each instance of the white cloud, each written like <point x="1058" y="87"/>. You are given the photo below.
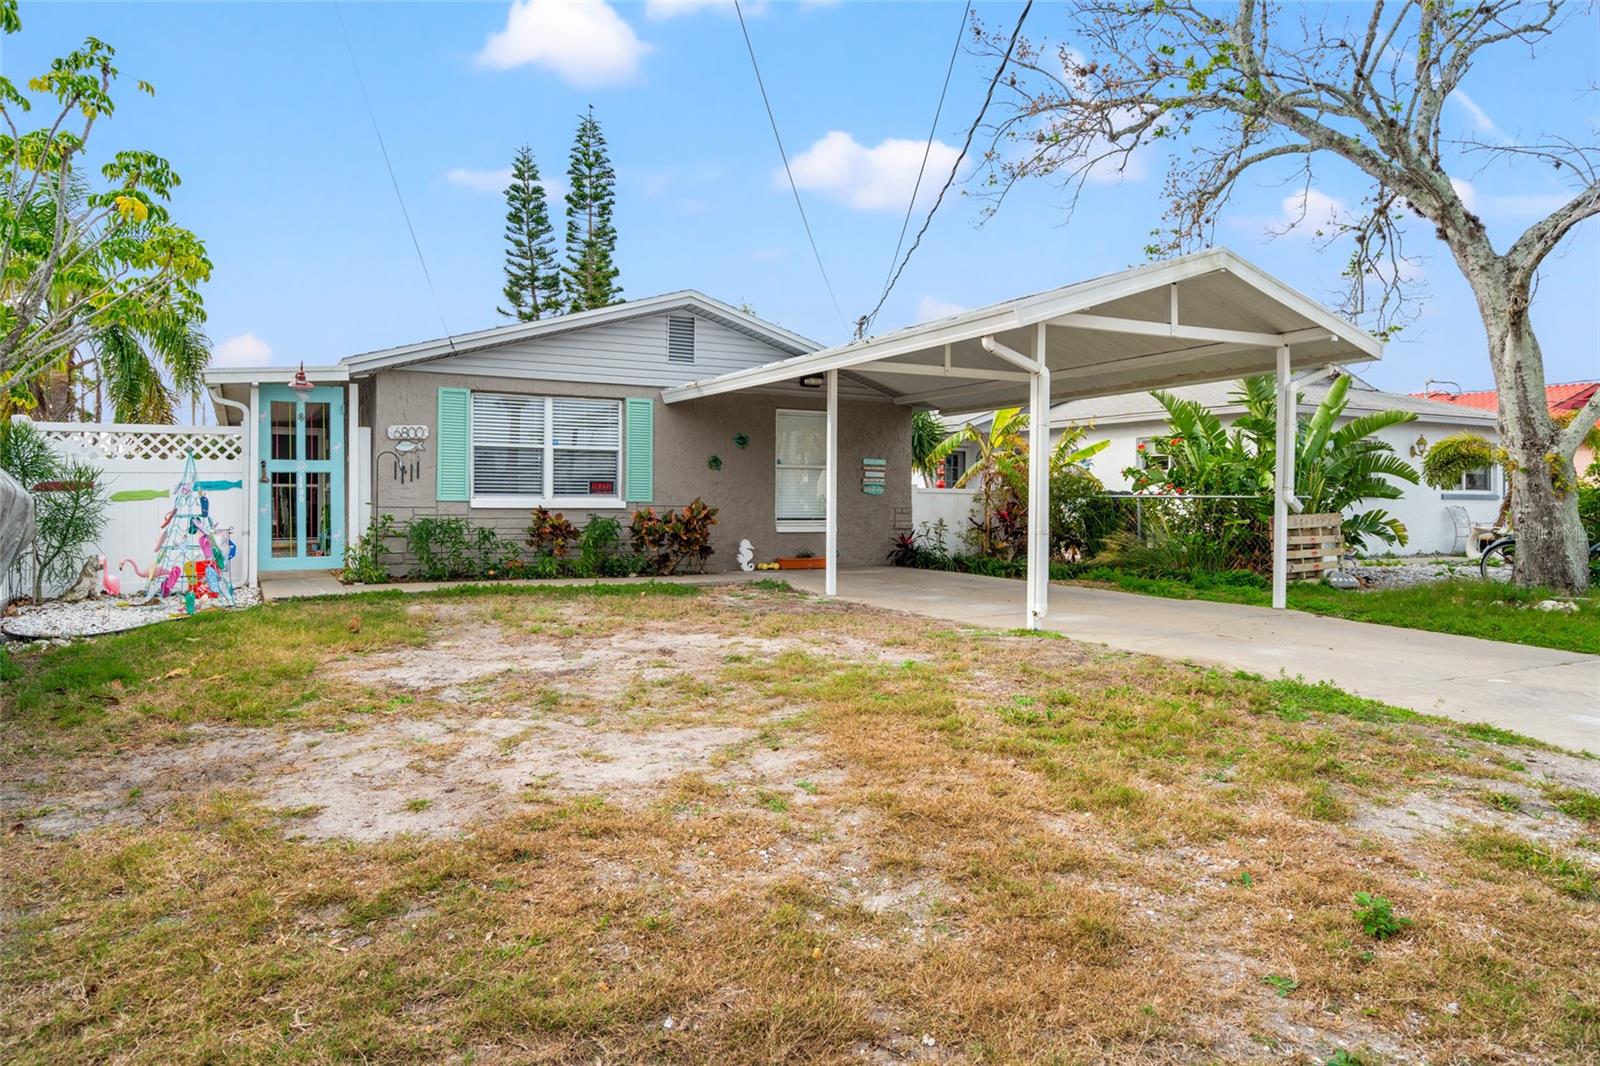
<point x="1480" y="118"/>
<point x="479" y="180"/>
<point x="1524" y="205"/>
<point x="870" y="179"/>
<point x="584" y="41"/>
<point x="661" y="10"/>
<point x="1311" y="213"/>
<point x="244" y="350"/>
<point x="495" y="181"/>
<point x="931" y="307"/>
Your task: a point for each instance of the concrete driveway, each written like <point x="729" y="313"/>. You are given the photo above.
<point x="1551" y="695"/>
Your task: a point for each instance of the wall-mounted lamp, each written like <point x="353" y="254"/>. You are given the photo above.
<point x="300" y="383"/>
<point x="812" y="381"/>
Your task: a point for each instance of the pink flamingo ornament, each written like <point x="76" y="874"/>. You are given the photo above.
<point x="110" y="584"/>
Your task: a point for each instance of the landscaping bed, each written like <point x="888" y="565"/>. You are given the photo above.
<point x="735" y="824"/>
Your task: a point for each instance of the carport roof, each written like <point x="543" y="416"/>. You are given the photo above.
<point x="1210" y="316"/>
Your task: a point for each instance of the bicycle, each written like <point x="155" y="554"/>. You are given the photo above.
<point x="1499" y="560"/>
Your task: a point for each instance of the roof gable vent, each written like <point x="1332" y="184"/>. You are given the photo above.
<point x="680" y="338"/>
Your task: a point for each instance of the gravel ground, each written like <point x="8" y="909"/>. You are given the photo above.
<point x="57" y="620"/>
<point x="1410" y="572"/>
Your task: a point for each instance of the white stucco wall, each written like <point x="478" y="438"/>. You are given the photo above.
<point x="1422" y="508"/>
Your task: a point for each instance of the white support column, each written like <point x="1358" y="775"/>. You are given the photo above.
<point x="1039" y="488"/>
<point x="830" y="536"/>
<point x="1283" y="482"/>
<point x="352" y="456"/>
<point x="255" y="529"/>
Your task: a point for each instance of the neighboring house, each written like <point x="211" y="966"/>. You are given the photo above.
<point x="1561" y="399"/>
<point x="565" y="413"/>
<point x="1127" y="420"/>
<point x="1130" y="419"/>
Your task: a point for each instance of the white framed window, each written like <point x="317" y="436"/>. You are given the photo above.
<point x="530" y="451"/>
<point x="955" y="465"/>
<point x="1478" y="480"/>
<point x="1146" y="456"/>
<point x="802" y="457"/>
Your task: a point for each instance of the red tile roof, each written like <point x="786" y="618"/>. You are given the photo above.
<point x="1566" y="397"/>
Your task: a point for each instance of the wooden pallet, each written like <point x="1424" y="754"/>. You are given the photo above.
<point x="1315" y="545"/>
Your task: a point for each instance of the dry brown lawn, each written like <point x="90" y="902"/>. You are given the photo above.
<point x="741" y="825"/>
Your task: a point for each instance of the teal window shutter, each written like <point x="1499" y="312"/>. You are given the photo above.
<point x="452" y="447"/>
<point x="641" y="469"/>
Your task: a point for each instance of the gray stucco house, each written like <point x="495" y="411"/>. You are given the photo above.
<point x="566" y="413"/>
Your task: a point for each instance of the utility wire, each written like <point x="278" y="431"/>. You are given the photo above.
<point x="372" y="115"/>
<point x="965" y="147"/>
<point x="785" y="157"/>
<point x="933" y="129"/>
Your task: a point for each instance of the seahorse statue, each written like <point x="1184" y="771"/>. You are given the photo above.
<point x="747" y="556"/>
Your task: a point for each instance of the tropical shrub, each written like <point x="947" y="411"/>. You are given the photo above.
<point x="550" y="532"/>
<point x="672" y="538"/>
<point x="598" y="542"/>
<point x="69" y="504"/>
<point x="443" y="546"/>
<point x="366" y="560"/>
<point x="1589" y="501"/>
<point x="1449" y="458"/>
<point x="1336" y="469"/>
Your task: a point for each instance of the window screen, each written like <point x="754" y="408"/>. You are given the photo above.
<point x="545" y="447"/>
<point x="802" y="458"/>
<point x="586" y="438"/>
<point x="508" y="445"/>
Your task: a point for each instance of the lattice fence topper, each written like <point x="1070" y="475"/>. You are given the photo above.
<point x="149" y="442"/>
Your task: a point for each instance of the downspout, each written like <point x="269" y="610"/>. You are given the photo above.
<point x="247" y="510"/>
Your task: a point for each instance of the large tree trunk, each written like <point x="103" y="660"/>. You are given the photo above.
<point x="1552" y="549"/>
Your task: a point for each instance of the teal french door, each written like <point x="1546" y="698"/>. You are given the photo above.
<point x="300" y="510"/>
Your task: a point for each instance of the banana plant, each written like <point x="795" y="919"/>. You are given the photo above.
<point x="1001" y="466"/>
<point x="1335" y="469"/>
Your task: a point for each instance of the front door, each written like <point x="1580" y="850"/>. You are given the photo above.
<point x="301" y="476"/>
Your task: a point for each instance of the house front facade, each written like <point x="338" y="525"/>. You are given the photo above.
<point x="565" y="413"/>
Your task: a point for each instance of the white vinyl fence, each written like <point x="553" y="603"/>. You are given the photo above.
<point x="146" y="458"/>
<point x="952" y="506"/>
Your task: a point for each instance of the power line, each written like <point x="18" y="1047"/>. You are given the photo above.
<point x="785" y="157"/>
<point x="927" y="148"/>
<point x="373" y="116"/>
<point x="965" y="147"/>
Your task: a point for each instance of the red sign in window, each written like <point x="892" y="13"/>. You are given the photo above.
<point x="602" y="488"/>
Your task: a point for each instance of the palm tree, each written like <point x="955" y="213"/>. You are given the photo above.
<point x="927" y="433"/>
<point x="131" y="363"/>
<point x="1002" y="464"/>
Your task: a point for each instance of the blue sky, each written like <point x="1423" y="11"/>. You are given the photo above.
<point x="259" y="110"/>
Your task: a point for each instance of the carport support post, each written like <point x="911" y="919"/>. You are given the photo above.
<point x="1039" y="488"/>
<point x="830" y="525"/>
<point x="1283" y="481"/>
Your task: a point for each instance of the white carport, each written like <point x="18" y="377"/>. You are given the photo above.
<point x="1210" y="316"/>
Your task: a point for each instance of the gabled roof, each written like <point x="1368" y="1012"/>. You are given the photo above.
<point x="1569" y="396"/>
<point x="1218" y="397"/>
<point x="1210" y="316"/>
<point x="682" y="300"/>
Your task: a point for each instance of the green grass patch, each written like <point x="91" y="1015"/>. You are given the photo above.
<point x="1577" y="803"/>
<point x="1463" y="606"/>
<point x="1511" y="852"/>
